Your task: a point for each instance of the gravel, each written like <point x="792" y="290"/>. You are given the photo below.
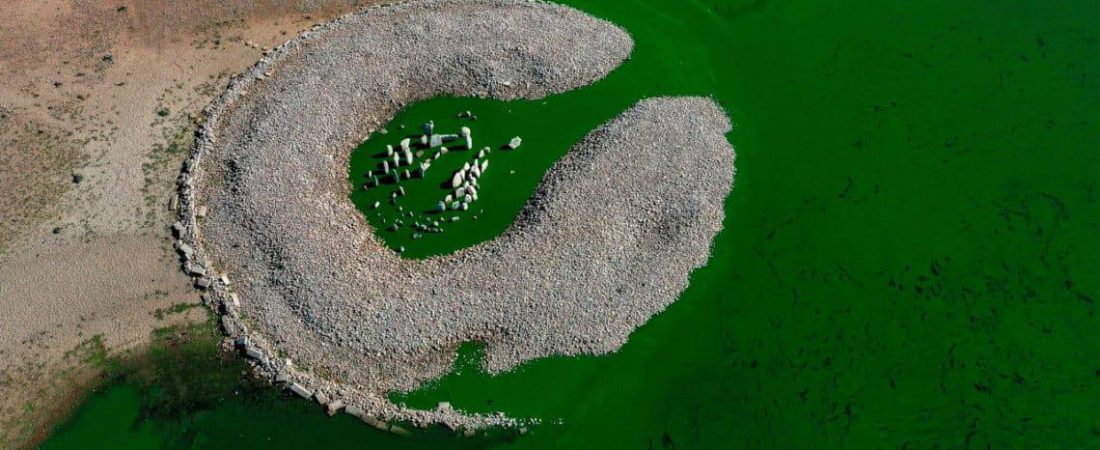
<point x="322" y="307"/>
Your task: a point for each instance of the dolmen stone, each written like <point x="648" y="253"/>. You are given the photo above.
<point x="465" y="133"/>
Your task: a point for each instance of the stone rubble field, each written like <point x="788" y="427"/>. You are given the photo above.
<point x="311" y="295"/>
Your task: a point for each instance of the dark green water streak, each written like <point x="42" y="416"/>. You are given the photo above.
<point x="909" y="258"/>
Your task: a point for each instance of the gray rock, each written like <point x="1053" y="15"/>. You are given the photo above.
<point x="300" y="390"/>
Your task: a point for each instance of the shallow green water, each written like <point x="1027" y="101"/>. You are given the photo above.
<point x="908" y="259"/>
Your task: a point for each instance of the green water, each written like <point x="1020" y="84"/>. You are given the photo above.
<point x="908" y="259"/>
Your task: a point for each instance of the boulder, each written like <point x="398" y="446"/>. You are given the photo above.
<point x="334" y="407"/>
<point x="301" y="391"/>
<point x="465" y="132"/>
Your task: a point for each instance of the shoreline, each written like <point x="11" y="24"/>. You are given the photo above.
<point x="91" y="255"/>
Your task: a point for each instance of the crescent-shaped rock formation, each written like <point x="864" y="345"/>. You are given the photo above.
<point x="608" y="240"/>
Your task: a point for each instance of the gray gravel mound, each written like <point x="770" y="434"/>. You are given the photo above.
<point x="608" y="240"/>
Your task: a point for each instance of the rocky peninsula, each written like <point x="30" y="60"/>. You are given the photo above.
<point x="308" y="291"/>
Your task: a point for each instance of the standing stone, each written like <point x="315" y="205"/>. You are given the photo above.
<point x="405" y="145"/>
<point x="515" y="143"/>
<point x="465" y="133"/>
<point x="389" y="151"/>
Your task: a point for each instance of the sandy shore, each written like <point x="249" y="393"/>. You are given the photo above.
<point x="570" y="277"/>
<point x="98" y="103"/>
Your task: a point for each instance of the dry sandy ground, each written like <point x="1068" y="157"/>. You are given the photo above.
<point x="98" y="102"/>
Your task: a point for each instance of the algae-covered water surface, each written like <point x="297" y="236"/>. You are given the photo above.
<point x="908" y="260"/>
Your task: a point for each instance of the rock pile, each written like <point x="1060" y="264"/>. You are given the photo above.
<point x="334" y="316"/>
